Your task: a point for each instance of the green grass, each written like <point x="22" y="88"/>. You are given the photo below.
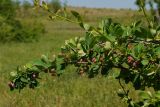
<point x="69" y="90"/>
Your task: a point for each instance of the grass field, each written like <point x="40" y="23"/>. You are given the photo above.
<point x="69" y="90"/>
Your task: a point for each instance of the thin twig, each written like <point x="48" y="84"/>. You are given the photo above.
<point x="145" y="42"/>
<point x="145" y="14"/>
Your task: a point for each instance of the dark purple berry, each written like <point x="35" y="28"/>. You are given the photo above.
<point x="11" y="85"/>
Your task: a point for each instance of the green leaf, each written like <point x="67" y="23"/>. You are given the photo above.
<point x="13" y="74"/>
<point x="28" y="65"/>
<point x="72" y="42"/>
<point x="116" y="72"/>
<point x="136" y="78"/>
<point x="157" y="51"/>
<point x="138" y="49"/>
<point x="81" y="53"/>
<point x="111" y="38"/>
<point x="157" y="94"/>
<point x="59" y="61"/>
<point x="95" y="67"/>
<point x="153" y="31"/>
<point x="107" y="45"/>
<point x="76" y="15"/>
<point x="121" y="93"/>
<point x="145" y="62"/>
<point x="44" y="58"/>
<point x="145" y="95"/>
<point x="87" y="27"/>
<point x="40" y="63"/>
<point x="44" y="5"/>
<point x="34" y="68"/>
<point x="24" y="79"/>
<point x="125" y="65"/>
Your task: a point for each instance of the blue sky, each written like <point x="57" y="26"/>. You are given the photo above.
<point x="103" y="3"/>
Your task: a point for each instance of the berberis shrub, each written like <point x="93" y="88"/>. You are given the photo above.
<point x="133" y="50"/>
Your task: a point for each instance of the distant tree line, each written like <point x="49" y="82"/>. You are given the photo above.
<point x="13" y="29"/>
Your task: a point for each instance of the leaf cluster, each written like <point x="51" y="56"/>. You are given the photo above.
<point x="134" y="50"/>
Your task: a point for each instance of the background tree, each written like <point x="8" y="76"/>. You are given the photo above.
<point x="13" y="28"/>
<point x="7" y="8"/>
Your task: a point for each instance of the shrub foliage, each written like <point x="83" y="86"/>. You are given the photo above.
<point x="133" y="50"/>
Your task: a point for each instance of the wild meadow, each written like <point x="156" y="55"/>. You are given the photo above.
<point x="70" y="89"/>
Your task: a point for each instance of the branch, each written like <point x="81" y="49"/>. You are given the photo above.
<point x="145" y="42"/>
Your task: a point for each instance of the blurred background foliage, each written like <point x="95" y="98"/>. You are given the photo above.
<point x="13" y="28"/>
<point x="19" y="22"/>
